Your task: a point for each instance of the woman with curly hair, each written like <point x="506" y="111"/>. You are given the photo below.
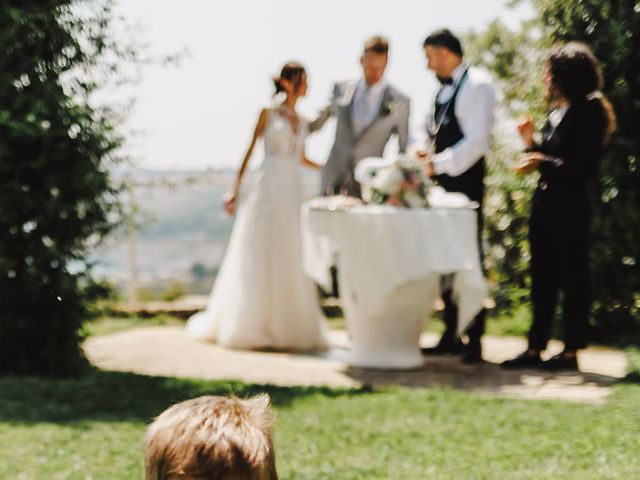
<point x="567" y="158"/>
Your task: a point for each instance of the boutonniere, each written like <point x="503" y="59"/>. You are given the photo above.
<point x="389" y="108"/>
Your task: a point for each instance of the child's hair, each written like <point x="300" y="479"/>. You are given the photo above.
<point x="212" y="438"/>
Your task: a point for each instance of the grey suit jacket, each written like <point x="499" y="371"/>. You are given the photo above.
<point x="349" y="148"/>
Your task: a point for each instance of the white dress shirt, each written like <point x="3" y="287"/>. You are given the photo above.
<point x="474" y="110"/>
<point x="556" y="116"/>
<point x="367" y="101"/>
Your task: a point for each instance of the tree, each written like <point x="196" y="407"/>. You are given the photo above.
<point x="515" y="59"/>
<point x="57" y="197"/>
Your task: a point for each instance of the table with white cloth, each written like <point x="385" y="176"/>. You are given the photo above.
<point x="389" y="262"/>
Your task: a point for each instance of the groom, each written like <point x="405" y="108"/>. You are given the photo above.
<point x="460" y="128"/>
<point x="368" y="112"/>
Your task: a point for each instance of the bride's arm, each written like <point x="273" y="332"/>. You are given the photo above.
<point x="230" y="200"/>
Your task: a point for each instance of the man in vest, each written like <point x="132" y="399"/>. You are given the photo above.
<point x="460" y="129"/>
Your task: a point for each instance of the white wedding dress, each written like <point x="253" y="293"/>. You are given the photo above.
<point x="262" y="298"/>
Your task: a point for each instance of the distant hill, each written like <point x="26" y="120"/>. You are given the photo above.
<point x="184" y="227"/>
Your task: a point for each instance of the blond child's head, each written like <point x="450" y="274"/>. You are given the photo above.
<point x="212" y="438"/>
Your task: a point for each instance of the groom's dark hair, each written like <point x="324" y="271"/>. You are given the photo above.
<point x="377" y="44"/>
<point x="445" y="39"/>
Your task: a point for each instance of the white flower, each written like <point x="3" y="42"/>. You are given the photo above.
<point x="411" y="162"/>
<point x="388" y="180"/>
<point x="414" y="200"/>
<point x="367" y="168"/>
<point x="390" y="108"/>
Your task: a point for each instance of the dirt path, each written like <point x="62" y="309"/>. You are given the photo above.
<point x="168" y="351"/>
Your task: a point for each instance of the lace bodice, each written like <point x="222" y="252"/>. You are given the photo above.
<point x="280" y="139"/>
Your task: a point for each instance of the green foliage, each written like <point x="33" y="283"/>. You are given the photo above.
<point x="173" y="291"/>
<point x="513" y="321"/>
<point x="56" y="194"/>
<point x="92" y="427"/>
<point x="516" y="59"/>
<point x="110" y="324"/>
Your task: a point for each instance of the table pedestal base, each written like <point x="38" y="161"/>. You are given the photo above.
<point x="389" y="338"/>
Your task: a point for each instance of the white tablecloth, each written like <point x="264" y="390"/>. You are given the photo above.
<point x="388" y="255"/>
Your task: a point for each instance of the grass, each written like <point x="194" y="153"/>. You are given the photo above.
<point x="633" y="369"/>
<point x="517" y="323"/>
<point x="112" y="324"/>
<point x="92" y="427"/>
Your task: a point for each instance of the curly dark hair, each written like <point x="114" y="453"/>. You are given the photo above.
<point x="292" y="71"/>
<point x="576" y="75"/>
<point x="575" y="71"/>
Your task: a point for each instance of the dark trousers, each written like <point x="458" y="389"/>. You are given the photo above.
<point x="471" y="183"/>
<point x="559" y="262"/>
<point x="349" y="186"/>
<point x="450" y="318"/>
<point x="450" y="313"/>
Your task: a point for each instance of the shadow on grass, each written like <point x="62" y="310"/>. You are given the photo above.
<point x="632" y="378"/>
<point x="448" y="371"/>
<point x="115" y="396"/>
<point x="633" y="369"/>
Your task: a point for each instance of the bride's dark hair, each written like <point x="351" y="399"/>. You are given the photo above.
<point x="292" y="71"/>
<point x="576" y="75"/>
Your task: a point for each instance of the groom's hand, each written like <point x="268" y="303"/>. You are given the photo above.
<point x="429" y="169"/>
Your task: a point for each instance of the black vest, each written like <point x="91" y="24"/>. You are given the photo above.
<point x="470" y="182"/>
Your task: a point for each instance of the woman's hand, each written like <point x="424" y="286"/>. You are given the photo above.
<point x="229" y="202"/>
<point x="526" y="129"/>
<point x="529" y="163"/>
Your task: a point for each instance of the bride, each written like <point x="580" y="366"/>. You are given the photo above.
<point x="261" y="297"/>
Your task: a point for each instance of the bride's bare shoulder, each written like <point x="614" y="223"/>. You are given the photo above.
<point x="268" y="112"/>
<point x="264" y="114"/>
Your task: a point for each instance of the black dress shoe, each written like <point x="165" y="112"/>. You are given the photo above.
<point x="560" y="362"/>
<point x="472" y="354"/>
<point x="524" y="360"/>
<point x="449" y="347"/>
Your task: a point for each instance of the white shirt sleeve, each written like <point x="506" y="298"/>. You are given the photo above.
<point x="474" y="110"/>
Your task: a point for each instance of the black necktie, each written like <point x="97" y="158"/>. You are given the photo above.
<point x="445" y="80"/>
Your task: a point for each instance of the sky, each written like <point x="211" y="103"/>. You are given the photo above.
<point x="202" y="113"/>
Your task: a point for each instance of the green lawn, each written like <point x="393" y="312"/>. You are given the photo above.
<point x="111" y="324"/>
<point x="92" y="427"/>
<point x="517" y="324"/>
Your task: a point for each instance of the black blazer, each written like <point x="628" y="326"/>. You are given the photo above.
<point x="573" y="151"/>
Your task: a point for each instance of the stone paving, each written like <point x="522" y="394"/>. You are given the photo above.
<point x="168" y="351"/>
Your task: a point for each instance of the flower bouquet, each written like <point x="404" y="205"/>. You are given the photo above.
<point x="400" y="183"/>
